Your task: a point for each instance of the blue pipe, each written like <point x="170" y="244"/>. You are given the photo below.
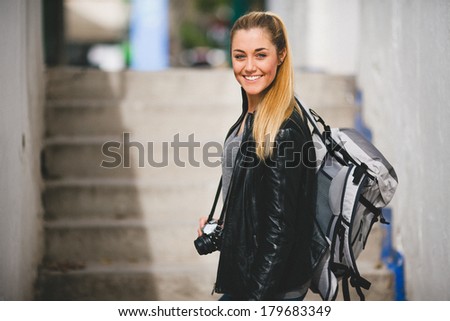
<point x="393" y="259"/>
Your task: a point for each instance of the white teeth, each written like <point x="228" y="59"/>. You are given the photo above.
<point x="252" y="77"/>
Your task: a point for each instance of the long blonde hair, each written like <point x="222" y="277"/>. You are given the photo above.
<point x="278" y="101"/>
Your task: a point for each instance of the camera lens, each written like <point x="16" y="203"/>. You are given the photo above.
<point x="204" y="245"/>
<point x="208" y="243"/>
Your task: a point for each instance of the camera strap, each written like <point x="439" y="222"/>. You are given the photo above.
<point x="216" y="198"/>
<point x="225" y="203"/>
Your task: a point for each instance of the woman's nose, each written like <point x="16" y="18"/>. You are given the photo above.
<point x="250" y="65"/>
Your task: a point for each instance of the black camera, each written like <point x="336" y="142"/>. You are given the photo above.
<point x="210" y="240"/>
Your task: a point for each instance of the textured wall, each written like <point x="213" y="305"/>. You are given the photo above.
<point x="405" y="78"/>
<point x="21" y="127"/>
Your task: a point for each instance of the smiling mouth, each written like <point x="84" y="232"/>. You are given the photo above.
<point x="252" y="78"/>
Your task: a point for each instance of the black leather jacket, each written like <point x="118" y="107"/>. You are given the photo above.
<point x="269" y="213"/>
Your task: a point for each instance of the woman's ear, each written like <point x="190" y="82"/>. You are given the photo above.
<point x="282" y="56"/>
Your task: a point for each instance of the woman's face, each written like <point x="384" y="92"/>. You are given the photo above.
<point x="255" y="60"/>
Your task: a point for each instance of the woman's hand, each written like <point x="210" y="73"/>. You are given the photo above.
<point x="202" y="222"/>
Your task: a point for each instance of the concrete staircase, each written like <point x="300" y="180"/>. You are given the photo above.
<point x="125" y="230"/>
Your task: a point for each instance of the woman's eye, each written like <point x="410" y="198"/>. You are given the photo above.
<point x="261" y="55"/>
<point x="239" y="57"/>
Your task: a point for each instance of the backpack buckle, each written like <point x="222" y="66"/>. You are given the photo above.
<point x="360" y="170"/>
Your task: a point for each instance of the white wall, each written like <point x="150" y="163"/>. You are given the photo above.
<point x="21" y="128"/>
<point x="294" y="15"/>
<point x="405" y="78"/>
<point x="324" y="34"/>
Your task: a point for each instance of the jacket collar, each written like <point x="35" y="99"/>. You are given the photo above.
<point x="244" y="101"/>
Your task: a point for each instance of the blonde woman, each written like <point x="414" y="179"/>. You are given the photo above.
<point x="268" y="181"/>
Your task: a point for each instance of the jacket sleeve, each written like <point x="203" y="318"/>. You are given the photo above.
<point x="278" y="213"/>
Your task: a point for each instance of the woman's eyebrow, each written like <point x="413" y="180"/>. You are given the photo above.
<point x="256" y="50"/>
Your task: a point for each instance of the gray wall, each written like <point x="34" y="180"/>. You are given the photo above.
<point x="21" y="130"/>
<point x="324" y="34"/>
<point x="405" y="78"/>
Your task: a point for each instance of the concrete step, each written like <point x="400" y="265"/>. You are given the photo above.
<point x="185" y="87"/>
<point x="158" y="201"/>
<point x="79" y="118"/>
<point x="189" y="281"/>
<point x="113" y="157"/>
<point x="178" y="86"/>
<point x="153" y="122"/>
<point x="138" y="240"/>
<point x="138" y="154"/>
<point x="129" y="282"/>
<point x="325" y="92"/>
<point x="161" y="104"/>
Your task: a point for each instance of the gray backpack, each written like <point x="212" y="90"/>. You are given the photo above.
<point x="354" y="183"/>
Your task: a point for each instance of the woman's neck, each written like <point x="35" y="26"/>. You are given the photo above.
<point x="253" y="102"/>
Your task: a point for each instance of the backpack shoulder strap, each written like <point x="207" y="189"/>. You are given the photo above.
<point x="311" y="116"/>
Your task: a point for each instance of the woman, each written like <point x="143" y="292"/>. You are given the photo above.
<point x="269" y="181"/>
